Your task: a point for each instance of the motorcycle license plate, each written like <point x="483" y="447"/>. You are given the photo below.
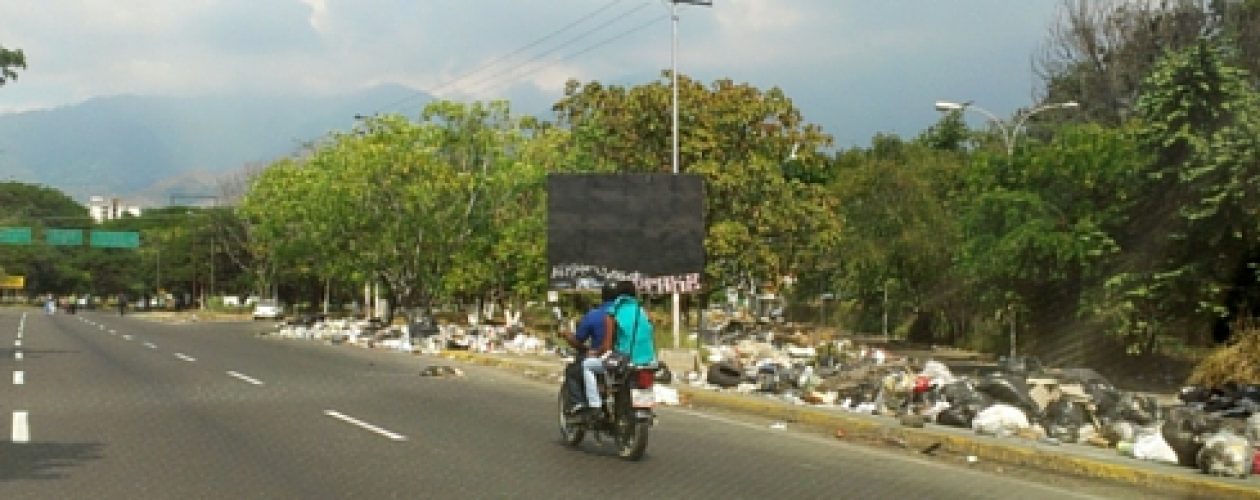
<point x="642" y="398"/>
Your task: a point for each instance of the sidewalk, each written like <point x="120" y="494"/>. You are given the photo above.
<point x="1073" y="459"/>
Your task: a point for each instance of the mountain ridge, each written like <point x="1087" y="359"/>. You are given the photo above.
<point x="142" y="149"/>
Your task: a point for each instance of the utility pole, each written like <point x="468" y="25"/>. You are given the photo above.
<point x="673" y="85"/>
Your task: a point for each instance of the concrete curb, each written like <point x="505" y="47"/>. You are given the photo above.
<point x="1032" y="455"/>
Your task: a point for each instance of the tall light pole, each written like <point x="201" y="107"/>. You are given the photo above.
<point x="673" y="85"/>
<point x="1010" y="133"/>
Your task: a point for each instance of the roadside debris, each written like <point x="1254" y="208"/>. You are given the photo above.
<point x="441" y="371"/>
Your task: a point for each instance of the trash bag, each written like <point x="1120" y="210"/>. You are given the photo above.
<point x="1253" y="429"/>
<point x="1063" y="420"/>
<point x="1009" y="389"/>
<point x="1020" y="365"/>
<point x="1193" y="394"/>
<point x="1141" y="410"/>
<point x="1149" y="444"/>
<point x="1226" y="454"/>
<point x="954" y="417"/>
<point x="663" y="374"/>
<point x="1000" y="420"/>
<point x="1185" y="430"/>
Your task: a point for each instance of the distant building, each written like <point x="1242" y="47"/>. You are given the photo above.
<point x="103" y="209"/>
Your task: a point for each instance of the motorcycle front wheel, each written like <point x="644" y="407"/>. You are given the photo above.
<point x="632" y="439"/>
<point x="570" y="429"/>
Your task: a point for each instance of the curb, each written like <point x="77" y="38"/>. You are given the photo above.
<point x="1030" y="455"/>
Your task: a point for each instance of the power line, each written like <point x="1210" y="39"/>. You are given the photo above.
<point x="567" y="43"/>
<point x="597" y="45"/>
<point x="496" y="60"/>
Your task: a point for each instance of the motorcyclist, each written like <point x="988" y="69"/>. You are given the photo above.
<point x="592" y="342"/>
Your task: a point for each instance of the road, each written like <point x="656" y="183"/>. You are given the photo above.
<point x="102" y="406"/>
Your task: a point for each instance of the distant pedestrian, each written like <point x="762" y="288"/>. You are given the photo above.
<point x="122" y="304"/>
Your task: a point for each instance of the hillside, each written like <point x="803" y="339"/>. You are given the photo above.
<point x="144" y="148"/>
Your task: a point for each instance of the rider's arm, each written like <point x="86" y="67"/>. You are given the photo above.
<point x="610" y="334"/>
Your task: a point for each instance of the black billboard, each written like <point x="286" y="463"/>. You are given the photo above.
<point x="647" y="228"/>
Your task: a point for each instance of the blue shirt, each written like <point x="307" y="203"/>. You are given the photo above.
<point x="592" y="326"/>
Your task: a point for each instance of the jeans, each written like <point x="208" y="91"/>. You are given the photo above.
<point x="591" y="366"/>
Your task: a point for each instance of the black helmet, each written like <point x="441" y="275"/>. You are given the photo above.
<point x="608" y="291"/>
<point x="625" y="287"/>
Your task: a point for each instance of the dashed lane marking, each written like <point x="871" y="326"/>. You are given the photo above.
<point x="185" y="357"/>
<point x="21" y="428"/>
<point x="246" y="378"/>
<point x="19" y="377"/>
<point x="393" y="436"/>
<point x="150" y="345"/>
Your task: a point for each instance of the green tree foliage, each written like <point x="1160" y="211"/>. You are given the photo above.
<point x="1194" y="229"/>
<point x="414" y="205"/>
<point x="39" y="207"/>
<point x="10" y="60"/>
<point x="763" y="177"/>
<point x="1100" y="51"/>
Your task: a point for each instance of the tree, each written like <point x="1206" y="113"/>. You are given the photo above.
<point x="1100" y="51"/>
<point x="762" y="201"/>
<point x="1194" y="241"/>
<point x="10" y="60"/>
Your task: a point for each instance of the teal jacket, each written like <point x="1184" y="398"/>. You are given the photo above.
<point x="634" y="330"/>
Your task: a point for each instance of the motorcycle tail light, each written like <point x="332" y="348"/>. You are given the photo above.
<point x="645" y="379"/>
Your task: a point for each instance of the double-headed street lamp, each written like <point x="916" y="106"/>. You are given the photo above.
<point x="673" y="85"/>
<point x="1010" y="133"/>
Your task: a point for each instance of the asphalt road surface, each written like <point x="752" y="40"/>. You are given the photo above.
<point x="102" y="406"/>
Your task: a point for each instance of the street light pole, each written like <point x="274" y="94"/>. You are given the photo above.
<point x="673" y="85"/>
<point x="1009" y="135"/>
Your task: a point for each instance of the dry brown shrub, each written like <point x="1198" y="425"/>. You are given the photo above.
<point x="1238" y="362"/>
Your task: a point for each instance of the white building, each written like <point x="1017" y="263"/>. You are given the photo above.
<point x="102" y="209"/>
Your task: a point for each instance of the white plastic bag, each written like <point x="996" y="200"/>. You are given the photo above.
<point x="1150" y="445"/>
<point x="999" y="420"/>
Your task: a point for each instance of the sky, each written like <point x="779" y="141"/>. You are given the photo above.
<point x="854" y="67"/>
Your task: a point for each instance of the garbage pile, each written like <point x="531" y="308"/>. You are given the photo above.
<point x="421" y="336"/>
<point x="1215" y="429"/>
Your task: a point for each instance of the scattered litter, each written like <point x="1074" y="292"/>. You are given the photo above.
<point x="778" y="426"/>
<point x="1150" y="445"/>
<point x="971" y="459"/>
<point x="840" y="434"/>
<point x="1000" y="420"/>
<point x="441" y="371"/>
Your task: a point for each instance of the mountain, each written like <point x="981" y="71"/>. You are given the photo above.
<point x="143" y="149"/>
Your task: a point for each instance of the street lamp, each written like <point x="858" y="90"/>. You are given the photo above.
<point x="1009" y="135"/>
<point x="673" y="85"/>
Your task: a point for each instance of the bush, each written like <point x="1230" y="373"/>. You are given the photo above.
<point x="1238" y="363"/>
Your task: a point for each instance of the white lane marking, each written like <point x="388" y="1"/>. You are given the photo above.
<point x="19" y="332"/>
<point x="246" y="378"/>
<point x="17" y="343"/>
<point x="113" y="331"/>
<point x="19" y="377"/>
<point x="17" y="355"/>
<point x="102" y="327"/>
<point x="21" y="428"/>
<point x="150" y="345"/>
<point x="127" y="337"/>
<point x="351" y="420"/>
<point x="185" y="357"/>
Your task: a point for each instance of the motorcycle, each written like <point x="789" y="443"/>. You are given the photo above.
<point x="627" y="413"/>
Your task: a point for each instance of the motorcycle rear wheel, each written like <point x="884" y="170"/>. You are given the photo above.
<point x="632" y="439"/>
<point x="571" y="430"/>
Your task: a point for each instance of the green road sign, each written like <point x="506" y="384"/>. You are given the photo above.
<point x="15" y="236"/>
<point x="115" y="239"/>
<point x="64" y="237"/>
